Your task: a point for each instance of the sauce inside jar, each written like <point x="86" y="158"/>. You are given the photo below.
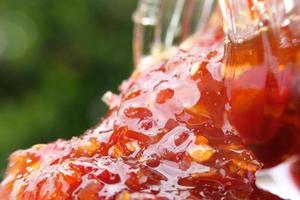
<point x="262" y="76"/>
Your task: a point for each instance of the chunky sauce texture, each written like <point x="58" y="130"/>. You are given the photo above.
<point x="166" y="136"/>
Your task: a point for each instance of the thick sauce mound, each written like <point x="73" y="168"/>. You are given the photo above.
<point x="166" y="136"/>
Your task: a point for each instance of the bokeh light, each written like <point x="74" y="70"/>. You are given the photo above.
<point x="57" y="58"/>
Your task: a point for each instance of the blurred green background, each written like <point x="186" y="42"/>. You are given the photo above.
<point x="57" y="58"/>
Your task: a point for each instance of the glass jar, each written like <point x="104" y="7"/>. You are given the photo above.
<point x="262" y="74"/>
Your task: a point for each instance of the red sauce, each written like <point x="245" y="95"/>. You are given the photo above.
<point x="166" y="136"/>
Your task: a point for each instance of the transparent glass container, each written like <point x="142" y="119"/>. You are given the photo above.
<point x="162" y="24"/>
<point x="262" y="62"/>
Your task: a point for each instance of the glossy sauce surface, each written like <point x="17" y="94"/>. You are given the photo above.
<point x="166" y="136"/>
